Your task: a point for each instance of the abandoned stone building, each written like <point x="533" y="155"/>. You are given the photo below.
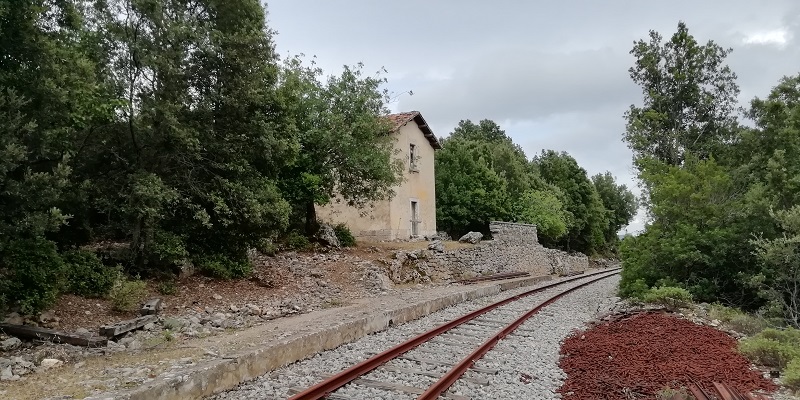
<point x="412" y="210"/>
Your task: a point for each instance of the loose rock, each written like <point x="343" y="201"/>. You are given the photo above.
<point x="10" y="344"/>
<point x="471" y="237"/>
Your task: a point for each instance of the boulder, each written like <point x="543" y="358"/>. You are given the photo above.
<point x="472" y="237"/>
<point x="49" y="363"/>
<point x="436" y="246"/>
<point x="10" y="344"/>
<point x="14" y="319"/>
<point x="327" y="236"/>
<point x="441" y="236"/>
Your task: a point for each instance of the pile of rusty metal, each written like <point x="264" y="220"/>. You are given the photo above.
<point x="648" y="354"/>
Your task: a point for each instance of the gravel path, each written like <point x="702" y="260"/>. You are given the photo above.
<point x="526" y="362"/>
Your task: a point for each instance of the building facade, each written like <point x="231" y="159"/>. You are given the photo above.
<point x="412" y="211"/>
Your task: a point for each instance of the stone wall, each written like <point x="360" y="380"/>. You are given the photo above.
<point x="514" y="247"/>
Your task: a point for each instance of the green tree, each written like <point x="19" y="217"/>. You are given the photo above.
<point x="545" y="210"/>
<point x="586" y="216"/>
<point x="191" y="165"/>
<point x="619" y="202"/>
<point x="689" y="98"/>
<point x="344" y="137"/>
<point x="50" y="102"/>
<point x="779" y="280"/>
<point x="469" y="193"/>
<point x="698" y="235"/>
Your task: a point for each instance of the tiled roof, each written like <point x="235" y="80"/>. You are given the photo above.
<point x="400" y="119"/>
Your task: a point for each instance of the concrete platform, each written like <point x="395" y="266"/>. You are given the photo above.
<point x="258" y="350"/>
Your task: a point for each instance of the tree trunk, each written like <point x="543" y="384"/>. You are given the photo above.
<point x="311" y="219"/>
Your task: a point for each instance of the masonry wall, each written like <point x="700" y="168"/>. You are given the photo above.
<point x="515" y="247"/>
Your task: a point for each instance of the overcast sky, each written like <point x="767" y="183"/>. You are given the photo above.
<point x="554" y="75"/>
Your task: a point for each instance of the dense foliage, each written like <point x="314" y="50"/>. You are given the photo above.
<point x="170" y="132"/>
<point x="721" y="197"/>
<point x="481" y="175"/>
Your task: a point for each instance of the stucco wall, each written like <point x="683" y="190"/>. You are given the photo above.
<point x="369" y="223"/>
<point x="419" y="186"/>
<point x="391" y="219"/>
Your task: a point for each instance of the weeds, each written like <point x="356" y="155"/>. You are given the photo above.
<point x="126" y="294"/>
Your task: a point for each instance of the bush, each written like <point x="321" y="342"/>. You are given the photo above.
<point x="86" y="274"/>
<point x="222" y="267"/>
<point x="669" y="297"/>
<point x="737" y="320"/>
<point x="791" y="375"/>
<point x="767" y="352"/>
<point x="126" y="294"/>
<point x="772" y="347"/>
<point x="167" y="287"/>
<point x="31" y="274"/>
<point x="267" y="247"/>
<point x="344" y="235"/>
<point x="296" y="241"/>
<point x="636" y="289"/>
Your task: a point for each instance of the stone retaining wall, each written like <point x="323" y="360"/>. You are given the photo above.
<point x="515" y="247"/>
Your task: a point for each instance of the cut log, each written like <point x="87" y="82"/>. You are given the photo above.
<point x="31" y="332"/>
<point x="126" y="326"/>
<point x="152" y="307"/>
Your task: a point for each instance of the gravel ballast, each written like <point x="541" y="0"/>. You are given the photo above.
<point x="526" y="362"/>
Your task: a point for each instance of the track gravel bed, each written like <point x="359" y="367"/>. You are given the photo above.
<point x="532" y="353"/>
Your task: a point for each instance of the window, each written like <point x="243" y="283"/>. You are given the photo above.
<point x="414" y="218"/>
<point x="412" y="157"/>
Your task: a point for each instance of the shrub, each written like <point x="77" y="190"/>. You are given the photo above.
<point x="296" y="241"/>
<point x="222" y="267"/>
<point x="670" y="297"/>
<point x="31" y="274"/>
<point x="267" y="247"/>
<point x="126" y="294"/>
<point x="168" y="247"/>
<point x="791" y="375"/>
<point x="635" y="289"/>
<point x="86" y="274"/>
<point x="770" y="348"/>
<point x="747" y="324"/>
<point x="344" y="235"/>
<point x="737" y="320"/>
<point x="167" y="287"/>
<point x="719" y="312"/>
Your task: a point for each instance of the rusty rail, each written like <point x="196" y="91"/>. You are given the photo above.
<point x="327" y="386"/>
<point x="444" y="383"/>
<point x="720" y="391"/>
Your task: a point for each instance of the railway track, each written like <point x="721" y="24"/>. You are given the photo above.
<point x="445" y="355"/>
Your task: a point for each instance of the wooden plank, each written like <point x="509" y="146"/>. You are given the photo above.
<point x="401" y="388"/>
<point x="479" y="381"/>
<point x="431" y="361"/>
<point x="31" y="332"/>
<point x="151" y="307"/>
<point x="295" y="390"/>
<point x="464" y="337"/>
<point x="126" y="326"/>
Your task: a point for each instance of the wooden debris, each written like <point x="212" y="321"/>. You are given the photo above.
<point x="152" y="307"/>
<point x="126" y="326"/>
<point x="31" y="332"/>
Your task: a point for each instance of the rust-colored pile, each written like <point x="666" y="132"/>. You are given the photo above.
<point x="640" y="355"/>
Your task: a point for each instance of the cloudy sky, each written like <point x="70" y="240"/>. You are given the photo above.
<point x="552" y="74"/>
